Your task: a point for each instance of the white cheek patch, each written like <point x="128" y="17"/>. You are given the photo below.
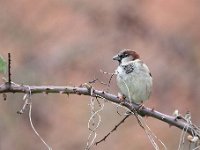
<point x="126" y="59"/>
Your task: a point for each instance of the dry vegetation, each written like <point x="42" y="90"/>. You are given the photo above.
<point x="67" y="42"/>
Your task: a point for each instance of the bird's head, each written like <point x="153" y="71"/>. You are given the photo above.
<point x="126" y="55"/>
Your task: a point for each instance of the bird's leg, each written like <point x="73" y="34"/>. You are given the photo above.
<point x="141" y="106"/>
<point x="121" y="97"/>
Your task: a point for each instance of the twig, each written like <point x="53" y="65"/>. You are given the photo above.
<point x="9" y="68"/>
<point x="96" y="79"/>
<point x="26" y="103"/>
<point x="114" y="129"/>
<point x="107" y="73"/>
<point x="110" y="79"/>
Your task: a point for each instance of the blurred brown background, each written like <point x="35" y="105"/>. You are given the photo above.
<point x="67" y="42"/>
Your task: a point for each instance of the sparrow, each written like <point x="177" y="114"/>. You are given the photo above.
<point x="133" y="76"/>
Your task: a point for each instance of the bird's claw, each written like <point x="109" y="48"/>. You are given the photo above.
<point x="121" y="97"/>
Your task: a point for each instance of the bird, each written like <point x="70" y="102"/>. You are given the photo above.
<point x="133" y="77"/>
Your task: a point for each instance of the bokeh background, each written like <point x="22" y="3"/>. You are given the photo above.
<point x="67" y="42"/>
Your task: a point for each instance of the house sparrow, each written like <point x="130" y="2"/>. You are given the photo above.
<point x="133" y="76"/>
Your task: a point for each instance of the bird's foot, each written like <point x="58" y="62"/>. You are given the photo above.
<point x="121" y="97"/>
<point x="141" y="106"/>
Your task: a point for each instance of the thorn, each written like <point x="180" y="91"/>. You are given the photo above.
<point x="20" y="112"/>
<point x="67" y="94"/>
<point x="93" y="81"/>
<point x="4" y="96"/>
<point x="152" y="109"/>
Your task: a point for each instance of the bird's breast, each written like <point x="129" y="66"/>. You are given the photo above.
<point x="135" y="85"/>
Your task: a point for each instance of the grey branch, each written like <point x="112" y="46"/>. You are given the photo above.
<point x="179" y="122"/>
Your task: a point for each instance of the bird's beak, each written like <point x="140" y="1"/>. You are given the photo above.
<point x="117" y="57"/>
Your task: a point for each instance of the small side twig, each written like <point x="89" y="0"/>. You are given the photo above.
<point x="114" y="129"/>
<point x="107" y="73"/>
<point x="110" y="79"/>
<point x="95" y="80"/>
<point x="26" y="103"/>
<point x="9" y="68"/>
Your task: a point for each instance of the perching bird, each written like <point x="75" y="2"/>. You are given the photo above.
<point x="133" y="76"/>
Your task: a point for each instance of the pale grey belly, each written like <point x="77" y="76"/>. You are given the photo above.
<point x="134" y="87"/>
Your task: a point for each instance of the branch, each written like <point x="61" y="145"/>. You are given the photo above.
<point x="178" y="122"/>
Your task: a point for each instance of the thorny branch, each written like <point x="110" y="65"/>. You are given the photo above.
<point x="178" y="122"/>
